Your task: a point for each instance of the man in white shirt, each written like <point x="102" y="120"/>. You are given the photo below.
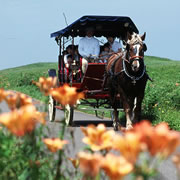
<point x="114" y="45"/>
<point x="88" y="48"/>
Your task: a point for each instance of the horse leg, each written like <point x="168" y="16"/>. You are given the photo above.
<point x="115" y="120"/>
<point x="129" y="114"/>
<point x="114" y="106"/>
<point x="127" y="109"/>
<point x="115" y="113"/>
<point x="137" y="109"/>
<point x="128" y="118"/>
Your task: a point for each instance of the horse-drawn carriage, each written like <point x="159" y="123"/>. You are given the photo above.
<point x="92" y="83"/>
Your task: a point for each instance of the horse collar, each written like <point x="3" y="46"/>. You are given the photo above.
<point x="133" y="78"/>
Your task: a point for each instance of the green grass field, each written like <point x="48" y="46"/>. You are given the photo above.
<point x="162" y="97"/>
<point x="20" y="78"/>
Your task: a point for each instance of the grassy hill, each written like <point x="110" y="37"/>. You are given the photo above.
<point x="162" y="97"/>
<point x="20" y="78"/>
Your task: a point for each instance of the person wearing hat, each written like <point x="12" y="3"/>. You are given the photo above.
<point x="88" y="48"/>
<point x="114" y="45"/>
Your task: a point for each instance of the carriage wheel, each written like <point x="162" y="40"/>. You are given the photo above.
<point x="68" y="114"/>
<point x="51" y="109"/>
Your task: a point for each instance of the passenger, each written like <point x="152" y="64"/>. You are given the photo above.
<point x="88" y="48"/>
<point x="105" y="54"/>
<point x="70" y="56"/>
<point x="114" y="45"/>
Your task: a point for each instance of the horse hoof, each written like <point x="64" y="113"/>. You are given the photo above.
<point x="122" y="129"/>
<point x="128" y="127"/>
<point x="116" y="126"/>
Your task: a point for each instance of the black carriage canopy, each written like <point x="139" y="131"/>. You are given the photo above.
<point x="116" y="26"/>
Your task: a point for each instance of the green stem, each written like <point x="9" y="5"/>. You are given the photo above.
<point x="61" y="135"/>
<point x="62" y="132"/>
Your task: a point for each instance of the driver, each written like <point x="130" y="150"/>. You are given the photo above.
<point x="88" y="48"/>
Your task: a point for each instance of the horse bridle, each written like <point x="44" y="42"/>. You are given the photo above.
<point x="136" y="57"/>
<point x="133" y="78"/>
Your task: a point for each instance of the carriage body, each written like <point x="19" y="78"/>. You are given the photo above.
<point x="96" y="95"/>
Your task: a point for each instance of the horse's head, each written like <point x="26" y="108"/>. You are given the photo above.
<point x="135" y="50"/>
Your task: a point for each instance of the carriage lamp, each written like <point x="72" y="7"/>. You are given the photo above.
<point x="126" y="24"/>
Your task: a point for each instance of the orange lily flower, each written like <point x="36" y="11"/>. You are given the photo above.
<point x="45" y="84"/>
<point x="24" y="99"/>
<point x="11" y="99"/>
<point x="165" y="141"/>
<point x="54" y="144"/>
<point x="89" y="163"/>
<point x="116" y="167"/>
<point x="146" y="132"/>
<point x="129" y="145"/>
<point x="21" y="121"/>
<point x="159" y="139"/>
<point x="3" y="94"/>
<point x="66" y="95"/>
<point x="143" y="128"/>
<point x="98" y="137"/>
<point x="40" y="117"/>
<point x="75" y="162"/>
<point x="17" y="100"/>
<point x="176" y="161"/>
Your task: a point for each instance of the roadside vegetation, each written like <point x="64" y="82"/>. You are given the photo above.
<point x="162" y="97"/>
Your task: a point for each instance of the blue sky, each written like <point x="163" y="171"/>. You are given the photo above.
<point x="25" y="26"/>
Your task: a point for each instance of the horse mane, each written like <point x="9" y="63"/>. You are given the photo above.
<point x="135" y="39"/>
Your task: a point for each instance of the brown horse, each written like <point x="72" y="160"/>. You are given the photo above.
<point x="126" y="78"/>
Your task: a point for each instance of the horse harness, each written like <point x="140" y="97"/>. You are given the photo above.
<point x="114" y="75"/>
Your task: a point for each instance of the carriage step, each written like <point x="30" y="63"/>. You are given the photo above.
<point x="77" y="123"/>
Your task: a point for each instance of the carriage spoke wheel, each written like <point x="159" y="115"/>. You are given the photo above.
<point x="68" y="114"/>
<point x="51" y="109"/>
